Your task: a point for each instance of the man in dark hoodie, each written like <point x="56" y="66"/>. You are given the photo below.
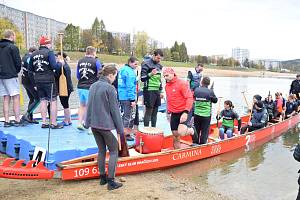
<point x="40" y="70"/>
<point x="32" y="94"/>
<point x="10" y="66"/>
<point x="151" y="76"/>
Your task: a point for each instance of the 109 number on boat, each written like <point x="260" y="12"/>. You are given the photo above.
<point x="85" y="172"/>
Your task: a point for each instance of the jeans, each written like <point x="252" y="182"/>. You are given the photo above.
<point x="227" y="130"/>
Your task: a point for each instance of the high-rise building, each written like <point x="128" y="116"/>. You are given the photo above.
<point x="31" y="25"/>
<point x="240" y="54"/>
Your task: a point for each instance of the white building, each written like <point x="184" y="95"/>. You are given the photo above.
<point x="32" y="26"/>
<point x="240" y="54"/>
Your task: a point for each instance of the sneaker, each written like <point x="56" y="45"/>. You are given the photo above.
<point x="112" y="185"/>
<point x="80" y="127"/>
<point x="20" y="123"/>
<point x="66" y="123"/>
<point x="129" y="138"/>
<point x="45" y="125"/>
<point x="103" y="179"/>
<point x="7" y="124"/>
<point x="57" y="126"/>
<point x="34" y="121"/>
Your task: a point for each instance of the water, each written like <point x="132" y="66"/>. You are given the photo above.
<point x="268" y="171"/>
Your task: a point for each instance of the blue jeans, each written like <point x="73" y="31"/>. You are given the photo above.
<point x="227" y="130"/>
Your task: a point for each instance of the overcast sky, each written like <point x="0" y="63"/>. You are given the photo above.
<point x="270" y="29"/>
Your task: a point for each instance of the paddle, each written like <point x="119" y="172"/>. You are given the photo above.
<point x="63" y="89"/>
<point x="249" y="117"/>
<point x="216" y="130"/>
<point x="21" y="96"/>
<point x="246" y="101"/>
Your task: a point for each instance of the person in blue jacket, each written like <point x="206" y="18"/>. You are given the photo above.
<point x="127" y="92"/>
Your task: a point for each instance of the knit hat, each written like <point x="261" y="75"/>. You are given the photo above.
<point x="168" y="70"/>
<point x="44" y="40"/>
<point x="259" y="104"/>
<point x="257" y="97"/>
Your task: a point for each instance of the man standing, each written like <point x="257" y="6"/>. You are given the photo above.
<point x="151" y="76"/>
<point x="295" y="87"/>
<point x="179" y="101"/>
<point x="194" y="78"/>
<point x="32" y="94"/>
<point x="40" y="70"/>
<point x="127" y="93"/>
<point x="10" y="66"/>
<point x="202" y="115"/>
<point x="87" y="74"/>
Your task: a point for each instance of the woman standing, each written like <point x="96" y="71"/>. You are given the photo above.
<point x="103" y="115"/>
<point x="64" y="100"/>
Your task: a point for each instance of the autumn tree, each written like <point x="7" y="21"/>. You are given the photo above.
<point x="141" y="46"/>
<point x="7" y="24"/>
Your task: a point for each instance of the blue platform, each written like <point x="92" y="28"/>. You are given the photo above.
<point x="65" y="144"/>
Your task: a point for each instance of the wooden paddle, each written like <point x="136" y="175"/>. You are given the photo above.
<point x="249" y="117"/>
<point x="63" y="88"/>
<point x="216" y="130"/>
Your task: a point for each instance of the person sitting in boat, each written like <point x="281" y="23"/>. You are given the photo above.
<point x="103" y="115"/>
<point x="291" y="106"/>
<point x="258" y="120"/>
<point x="280" y="105"/>
<point x="179" y="101"/>
<point x="270" y="106"/>
<point x="256" y="98"/>
<point x="228" y="115"/>
<point x="202" y="115"/>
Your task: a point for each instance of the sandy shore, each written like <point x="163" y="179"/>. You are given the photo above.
<point x="150" y="186"/>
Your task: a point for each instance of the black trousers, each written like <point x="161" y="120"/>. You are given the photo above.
<point x="298" y="196"/>
<point x="202" y="125"/>
<point x="34" y="99"/>
<point x="250" y="128"/>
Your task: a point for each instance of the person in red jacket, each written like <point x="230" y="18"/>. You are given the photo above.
<point x="179" y="102"/>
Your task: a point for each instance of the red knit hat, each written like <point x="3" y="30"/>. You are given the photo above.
<point x="44" y="40"/>
<point x="168" y="70"/>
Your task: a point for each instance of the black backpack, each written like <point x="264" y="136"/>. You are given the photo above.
<point x="296" y="153"/>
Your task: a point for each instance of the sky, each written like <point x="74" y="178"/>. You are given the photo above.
<point x="269" y="29"/>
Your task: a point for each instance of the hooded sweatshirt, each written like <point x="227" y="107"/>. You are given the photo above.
<point x="10" y="60"/>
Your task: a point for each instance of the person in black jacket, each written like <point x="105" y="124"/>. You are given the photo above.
<point x="65" y="100"/>
<point x="295" y="87"/>
<point x="40" y="70"/>
<point x="270" y="105"/>
<point x="10" y="66"/>
<point x="152" y="91"/>
<point x="32" y="94"/>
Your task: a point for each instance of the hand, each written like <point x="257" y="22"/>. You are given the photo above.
<point x="161" y="95"/>
<point x="154" y="71"/>
<point x="133" y="104"/>
<point x="239" y="132"/>
<point x="35" y="88"/>
<point x="183" y="117"/>
<point x="249" y="123"/>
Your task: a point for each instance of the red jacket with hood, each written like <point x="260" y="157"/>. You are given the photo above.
<point x="179" y="96"/>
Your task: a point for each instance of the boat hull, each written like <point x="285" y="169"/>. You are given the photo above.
<point x="170" y="158"/>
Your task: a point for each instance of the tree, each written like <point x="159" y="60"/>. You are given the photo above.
<point x="125" y="44"/>
<point x="117" y="45"/>
<point x="167" y="54"/>
<point x="71" y="38"/>
<point x="109" y="42"/>
<point x="175" y="56"/>
<point x="183" y="53"/>
<point x="141" y="46"/>
<point x="7" y="24"/>
<point x="86" y="38"/>
<point x="246" y="63"/>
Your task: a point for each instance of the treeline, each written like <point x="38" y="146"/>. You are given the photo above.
<point x="140" y="44"/>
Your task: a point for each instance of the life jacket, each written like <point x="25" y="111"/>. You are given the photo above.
<point x="228" y="117"/>
<point x="87" y="71"/>
<point x="279" y="104"/>
<point x="203" y="100"/>
<point x="43" y="72"/>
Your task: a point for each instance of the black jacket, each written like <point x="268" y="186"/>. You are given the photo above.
<point x="67" y="73"/>
<point x="10" y="60"/>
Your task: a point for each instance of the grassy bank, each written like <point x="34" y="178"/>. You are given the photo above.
<point x="75" y="56"/>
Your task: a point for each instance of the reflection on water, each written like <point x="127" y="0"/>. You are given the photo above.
<point x="267" y="171"/>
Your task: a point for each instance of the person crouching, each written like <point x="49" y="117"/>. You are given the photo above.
<point x="179" y="103"/>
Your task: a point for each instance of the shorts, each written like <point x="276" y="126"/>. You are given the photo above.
<point x="151" y="98"/>
<point x="83" y="95"/>
<point x="44" y="91"/>
<point x="9" y="87"/>
<point x="175" y="121"/>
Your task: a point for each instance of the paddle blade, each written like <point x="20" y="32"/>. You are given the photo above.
<point x="21" y="97"/>
<point x="216" y="133"/>
<point x="63" y="89"/>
